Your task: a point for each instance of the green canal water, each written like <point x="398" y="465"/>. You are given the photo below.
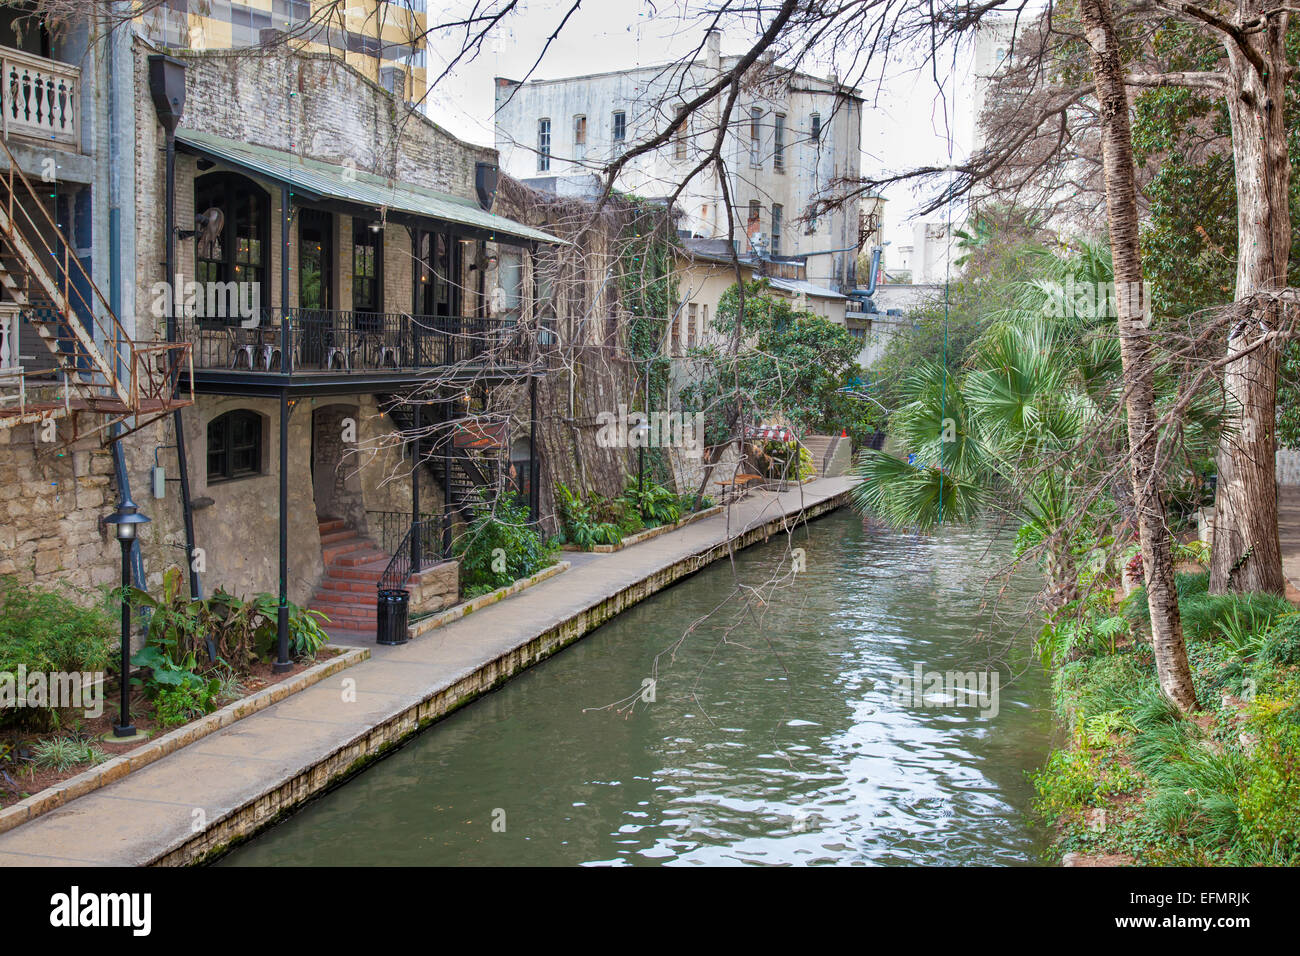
<point x="777" y="735"/>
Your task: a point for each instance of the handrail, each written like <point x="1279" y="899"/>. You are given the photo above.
<point x="147" y="381"/>
<point x="335" y="340"/>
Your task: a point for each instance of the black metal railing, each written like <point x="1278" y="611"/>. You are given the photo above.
<point x="328" y="340"/>
<point x="399" y="567"/>
<point x="391" y="528"/>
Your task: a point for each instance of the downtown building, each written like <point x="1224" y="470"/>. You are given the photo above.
<point x="793" y="140"/>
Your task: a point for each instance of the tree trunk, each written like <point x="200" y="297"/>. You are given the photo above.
<point x="1246" y="554"/>
<point x="1135" y="354"/>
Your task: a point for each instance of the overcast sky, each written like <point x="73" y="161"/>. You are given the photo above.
<point x="903" y="125"/>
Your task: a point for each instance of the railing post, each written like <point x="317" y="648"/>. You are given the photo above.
<point x="415" y="491"/>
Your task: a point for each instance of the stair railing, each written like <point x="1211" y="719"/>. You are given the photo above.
<point x="152" y="366"/>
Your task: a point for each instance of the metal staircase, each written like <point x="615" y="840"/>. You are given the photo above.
<point x="472" y="482"/>
<point x="99" y="368"/>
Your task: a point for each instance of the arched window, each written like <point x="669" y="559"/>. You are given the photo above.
<point x="234" y="445"/>
<point x="240" y="250"/>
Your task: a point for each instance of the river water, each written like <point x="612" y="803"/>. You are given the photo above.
<point x="777" y="735"/>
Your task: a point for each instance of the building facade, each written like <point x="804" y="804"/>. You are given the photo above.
<point x="383" y="40"/>
<point x="794" y="140"/>
<point x="309" y="305"/>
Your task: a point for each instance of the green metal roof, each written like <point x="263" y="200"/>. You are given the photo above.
<point x="314" y="180"/>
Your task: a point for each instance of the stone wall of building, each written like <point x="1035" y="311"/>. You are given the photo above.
<point x="51" y="501"/>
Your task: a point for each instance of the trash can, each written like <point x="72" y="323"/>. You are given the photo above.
<point x="394" y="605"/>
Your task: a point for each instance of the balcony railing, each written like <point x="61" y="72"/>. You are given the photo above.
<point x="40" y="98"/>
<point x="332" y="342"/>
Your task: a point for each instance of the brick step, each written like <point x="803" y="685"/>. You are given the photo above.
<point x="339" y="536"/>
<point x="342" y="596"/>
<point x="331" y="524"/>
<point x="351" y="622"/>
<point x="336" y="552"/>
<point x="371" y="556"/>
<point x="368" y="576"/>
<point x="333" y="582"/>
<point x="343" y="616"/>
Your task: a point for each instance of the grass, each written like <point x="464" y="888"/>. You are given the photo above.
<point x="1223" y="789"/>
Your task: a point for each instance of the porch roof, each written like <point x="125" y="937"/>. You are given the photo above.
<point x="314" y="181"/>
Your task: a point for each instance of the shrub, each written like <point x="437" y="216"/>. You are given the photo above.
<point x="43" y="630"/>
<point x="177" y="705"/>
<point x="500" y="547"/>
<point x="47" y="631"/>
<point x="579" y="522"/>
<point x="64" y="753"/>
<point x="1270" y="799"/>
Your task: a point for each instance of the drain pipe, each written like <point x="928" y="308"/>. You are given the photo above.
<point x="167" y="87"/>
<point x="120" y="474"/>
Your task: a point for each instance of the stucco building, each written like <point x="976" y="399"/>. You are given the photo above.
<point x="792" y="140"/>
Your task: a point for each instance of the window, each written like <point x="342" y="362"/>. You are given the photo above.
<point x="810" y="220"/>
<point x="691" y="316"/>
<point x="778" y="143"/>
<point x="816" y="127"/>
<point x="543" y="145"/>
<point x="620" y="126"/>
<point x="679" y="141"/>
<point x="755" y="132"/>
<point x="367" y="262"/>
<point x="704" y="322"/>
<point x="237" y="251"/>
<point x="776" y="229"/>
<point x="580" y="131"/>
<point x="755" y="212"/>
<point x="234" y="446"/>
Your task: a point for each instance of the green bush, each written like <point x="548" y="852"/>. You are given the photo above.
<point x="1270" y="800"/>
<point x="579" y="522"/>
<point x="173" y="706"/>
<point x="500" y="547"/>
<point x="45" y="630"/>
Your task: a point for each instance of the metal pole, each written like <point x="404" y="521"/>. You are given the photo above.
<point x="178" y="423"/>
<point x="286" y="340"/>
<point x="124" y="727"/>
<point x="534" y="472"/>
<point x="446" y="480"/>
<point x="417" y="529"/>
<point x="282" y="662"/>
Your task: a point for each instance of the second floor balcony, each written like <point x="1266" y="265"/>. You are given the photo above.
<point x="40" y="99"/>
<point x="316" y="345"/>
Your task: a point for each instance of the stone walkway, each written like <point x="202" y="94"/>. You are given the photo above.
<point x="270" y="761"/>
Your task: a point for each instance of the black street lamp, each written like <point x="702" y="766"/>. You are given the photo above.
<point x="125" y="521"/>
<point x="642" y="431"/>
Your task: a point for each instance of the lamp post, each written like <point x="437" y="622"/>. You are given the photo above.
<point x="125" y="521"/>
<point x="642" y="431"/>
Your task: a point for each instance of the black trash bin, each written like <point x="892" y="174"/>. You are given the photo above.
<point x="394" y="605"/>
